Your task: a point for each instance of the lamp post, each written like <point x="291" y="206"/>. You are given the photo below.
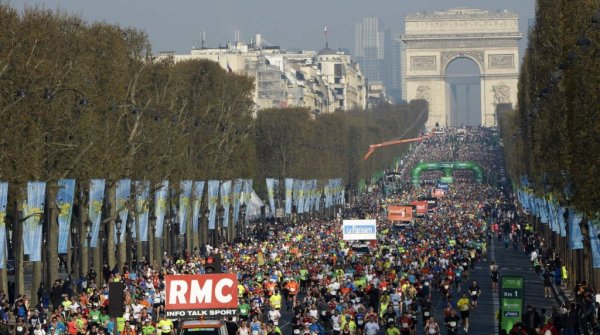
<point x="243" y="219"/>
<point x="119" y="226"/>
<point x="176" y="233"/>
<point x="75" y="258"/>
<point x="88" y="236"/>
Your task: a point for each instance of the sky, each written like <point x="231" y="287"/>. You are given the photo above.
<point x="176" y="25"/>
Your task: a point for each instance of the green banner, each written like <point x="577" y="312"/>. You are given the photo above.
<point x="511" y="301"/>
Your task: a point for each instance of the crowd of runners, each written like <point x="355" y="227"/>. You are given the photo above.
<point x="303" y="278"/>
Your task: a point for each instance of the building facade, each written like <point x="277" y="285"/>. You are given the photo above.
<point x="324" y="81"/>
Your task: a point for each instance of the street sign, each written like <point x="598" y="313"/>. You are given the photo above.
<point x="511" y="301"/>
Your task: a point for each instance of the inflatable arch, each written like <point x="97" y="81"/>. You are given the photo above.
<point x="447" y="168"/>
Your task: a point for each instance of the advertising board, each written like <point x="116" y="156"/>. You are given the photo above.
<point x="353" y="230"/>
<point x="193" y="296"/>
<point x="400" y="213"/>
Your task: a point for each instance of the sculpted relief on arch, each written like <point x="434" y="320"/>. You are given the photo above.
<point x="424" y="92"/>
<point x="501" y="93"/>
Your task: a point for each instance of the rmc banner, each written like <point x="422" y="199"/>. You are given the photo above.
<point x="359" y="230"/>
<point x="193" y="296"/>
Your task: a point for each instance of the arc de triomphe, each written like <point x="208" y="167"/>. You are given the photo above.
<point x="433" y="40"/>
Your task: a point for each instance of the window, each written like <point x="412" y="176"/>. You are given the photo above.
<point x="337" y="70"/>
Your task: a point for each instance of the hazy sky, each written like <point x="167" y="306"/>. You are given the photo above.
<point x="293" y="24"/>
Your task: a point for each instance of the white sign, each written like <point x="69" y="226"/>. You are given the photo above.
<point x="359" y="230"/>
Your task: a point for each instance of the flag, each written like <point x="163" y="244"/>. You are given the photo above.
<point x="289" y="185"/>
<point x="271" y="194"/>
<point x="64" y="202"/>
<point x="225" y="201"/>
<point x="32" y="232"/>
<point x="197" y="205"/>
<point x="142" y="189"/>
<point x="213" y="198"/>
<point x="95" y="208"/>
<point x="122" y="197"/>
<point x="237" y="194"/>
<point x="184" y="204"/>
<point x="575" y="236"/>
<point x="160" y="207"/>
<point x="3" y="204"/>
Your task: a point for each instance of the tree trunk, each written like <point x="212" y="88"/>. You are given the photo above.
<point x="35" y="282"/>
<point x="18" y="244"/>
<point x="150" y="253"/>
<point x="110" y="241"/>
<point x="96" y="259"/>
<point x="85" y="248"/>
<point x="52" y="239"/>
<point x="188" y="231"/>
<point x="203" y="229"/>
<point x="157" y="248"/>
<point x="4" y="279"/>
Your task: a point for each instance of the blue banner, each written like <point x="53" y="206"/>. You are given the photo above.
<point x="289" y="185"/>
<point x="271" y="194"/>
<point x="142" y="206"/>
<point x="184" y="204"/>
<point x="301" y="190"/>
<point x="319" y="195"/>
<point x="237" y="194"/>
<point x="213" y="199"/>
<point x="123" y="194"/>
<point x="3" y="203"/>
<point x="308" y="195"/>
<point x="64" y="202"/>
<point x="95" y="208"/>
<point x="575" y="235"/>
<point x="197" y="205"/>
<point x="160" y="207"/>
<point x="32" y="232"/>
<point x="225" y="201"/>
<point x="594" y="243"/>
<point x="247" y="195"/>
<point x="561" y="221"/>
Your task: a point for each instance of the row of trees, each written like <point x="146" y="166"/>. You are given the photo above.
<point x="289" y="143"/>
<point x="87" y="100"/>
<point x="557" y="120"/>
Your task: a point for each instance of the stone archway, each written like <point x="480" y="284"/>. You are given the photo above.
<point x="434" y="40"/>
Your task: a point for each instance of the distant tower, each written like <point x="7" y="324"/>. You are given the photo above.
<point x="369" y="48"/>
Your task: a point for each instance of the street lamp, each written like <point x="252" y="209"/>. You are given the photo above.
<point x="75" y="259"/>
<point x="88" y="236"/>
<point x="129" y="239"/>
<point x="118" y="225"/>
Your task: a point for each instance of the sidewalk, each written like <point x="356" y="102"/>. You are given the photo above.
<point x="516" y="262"/>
